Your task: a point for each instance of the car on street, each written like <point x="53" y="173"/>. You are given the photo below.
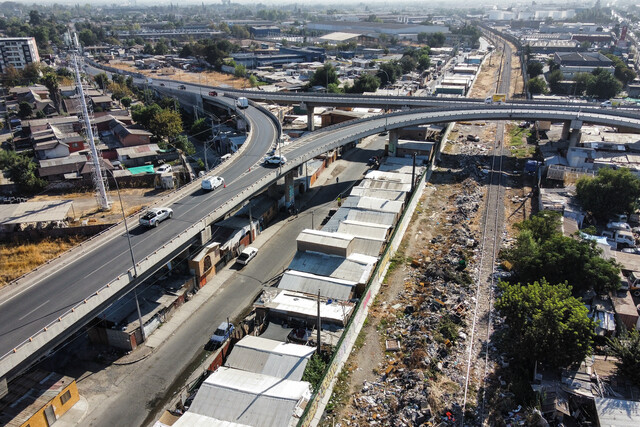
<point x="275" y="160"/>
<point x="164" y="168"/>
<point x="155" y="216"/>
<point x="182" y="87"/>
<point x="213" y="93"/>
<point x="222" y="333"/>
<point x="161" y="84"/>
<point x="247" y="255"/>
<point x="212" y="182"/>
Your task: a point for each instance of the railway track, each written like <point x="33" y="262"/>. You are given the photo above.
<point x="479" y="366"/>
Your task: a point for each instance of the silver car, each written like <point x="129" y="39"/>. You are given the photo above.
<point x="155" y="216"/>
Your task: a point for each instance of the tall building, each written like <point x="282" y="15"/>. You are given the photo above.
<point x="18" y="51"/>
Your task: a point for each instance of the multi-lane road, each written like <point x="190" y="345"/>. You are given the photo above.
<point x="28" y="309"/>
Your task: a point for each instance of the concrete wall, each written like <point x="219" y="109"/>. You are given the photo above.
<point x="39" y="419"/>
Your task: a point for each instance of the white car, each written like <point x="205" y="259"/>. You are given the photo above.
<point x="616" y="225"/>
<point x="212" y="182"/>
<point x="155" y="216"/>
<point x="247" y="255"/>
<point x="164" y="168"/>
<point x="275" y="160"/>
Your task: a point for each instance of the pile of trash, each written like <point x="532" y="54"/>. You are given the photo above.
<point x="425" y="328"/>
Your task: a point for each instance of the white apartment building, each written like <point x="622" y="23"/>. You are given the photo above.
<point x="18" y="51"/>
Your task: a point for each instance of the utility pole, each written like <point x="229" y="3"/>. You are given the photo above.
<point x="413" y="173"/>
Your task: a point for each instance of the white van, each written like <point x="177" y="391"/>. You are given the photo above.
<point x="625" y="238"/>
<point x="225" y="157"/>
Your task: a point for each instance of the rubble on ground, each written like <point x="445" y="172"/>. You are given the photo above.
<point x="425" y="331"/>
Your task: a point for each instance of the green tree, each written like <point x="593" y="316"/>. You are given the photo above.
<point x="50" y="80"/>
<point x="182" y="143"/>
<point x="626" y="348"/>
<point x="582" y="81"/>
<point x="365" y="83"/>
<point x="200" y="129"/>
<point x="610" y="191"/>
<point x="424" y="62"/>
<point x="240" y="71"/>
<point x="148" y="49"/>
<point x="408" y="64"/>
<point x="31" y="73"/>
<point x="554" y="79"/>
<point x="167" y="124"/>
<point x="253" y="80"/>
<point x="436" y="39"/>
<point x="126" y="102"/>
<point x="186" y="51"/>
<point x="534" y="68"/>
<point x="605" y="85"/>
<point x="102" y="80"/>
<point x="161" y="48"/>
<point x="34" y="18"/>
<point x="545" y="324"/>
<point x="11" y="77"/>
<point x="542" y="251"/>
<point x="24" y="110"/>
<point x="389" y="72"/>
<point x="143" y="115"/>
<point x="537" y="85"/>
<point x="87" y="37"/>
<point x="324" y="76"/>
<point x="22" y="171"/>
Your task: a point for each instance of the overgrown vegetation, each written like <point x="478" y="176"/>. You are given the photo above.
<point x="610" y="191"/>
<point x="315" y="369"/>
<point x="541" y="251"/>
<point x="22" y="171"/>
<point x="19" y="258"/>
<point x="626" y="348"/>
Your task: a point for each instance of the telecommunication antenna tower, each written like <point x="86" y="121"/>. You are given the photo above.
<point x="99" y="180"/>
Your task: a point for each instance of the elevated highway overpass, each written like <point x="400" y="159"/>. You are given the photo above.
<point x="44" y="309"/>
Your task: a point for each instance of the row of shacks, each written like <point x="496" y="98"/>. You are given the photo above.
<point x="260" y="384"/>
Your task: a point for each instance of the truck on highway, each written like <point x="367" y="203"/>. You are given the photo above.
<point x="496" y="98"/>
<point x="242" y="102"/>
<point x="611" y="103"/>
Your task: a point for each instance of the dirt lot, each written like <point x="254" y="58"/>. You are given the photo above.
<point x="209" y="78"/>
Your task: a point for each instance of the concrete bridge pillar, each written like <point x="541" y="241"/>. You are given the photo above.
<point x="393" y="142"/>
<point x="289" y="195"/>
<point x="571" y="131"/>
<point x="566" y="128"/>
<point x="310" y="125"/>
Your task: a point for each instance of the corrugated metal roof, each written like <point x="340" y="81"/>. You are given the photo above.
<point x="269" y="357"/>
<point x="364" y="230"/>
<point x="249" y="398"/>
<point x="385" y="185"/>
<point x="617" y="412"/>
<point x="370" y="247"/>
<point x="310" y="283"/>
<point x="35" y="212"/>
<point x="389" y="176"/>
<point x="191" y="419"/>
<point x="373" y="204"/>
<point x="350" y="269"/>
<point x="378" y="193"/>
<point x="339" y="240"/>
<point x="304" y="305"/>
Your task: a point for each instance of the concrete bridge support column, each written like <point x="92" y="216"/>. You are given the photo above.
<point x="310" y="125"/>
<point x="566" y="128"/>
<point x="393" y="142"/>
<point x="289" y="194"/>
<point x="574" y="137"/>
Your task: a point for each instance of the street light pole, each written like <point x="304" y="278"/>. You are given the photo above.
<point x="133" y="260"/>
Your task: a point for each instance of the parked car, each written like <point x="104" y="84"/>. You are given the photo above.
<point x="275" y="160"/>
<point x="224" y="331"/>
<point x="247" y="255"/>
<point x="213" y="93"/>
<point x="212" y="182"/>
<point x="182" y="87"/>
<point x="474" y="138"/>
<point x="155" y="216"/>
<point x="613" y="225"/>
<point x="161" y="84"/>
<point x="164" y="168"/>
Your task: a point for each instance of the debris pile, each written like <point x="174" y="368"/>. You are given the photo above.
<point x="424" y="332"/>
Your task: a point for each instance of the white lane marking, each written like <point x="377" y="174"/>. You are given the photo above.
<point x="34" y="310"/>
